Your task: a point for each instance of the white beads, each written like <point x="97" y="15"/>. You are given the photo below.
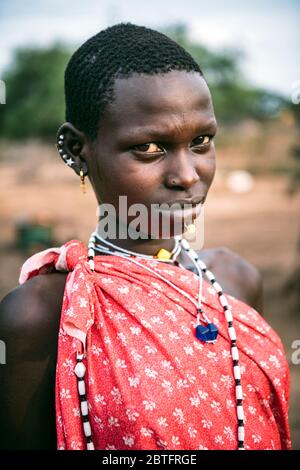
<point x="237" y="372"/>
<point x="228" y="315"/>
<point x="194" y="255"/>
<point x="81" y="387"/>
<point x="223" y="301"/>
<point x="232" y="334"/>
<point x="241" y="433"/>
<point x="92" y="264"/>
<point x="210" y="275"/>
<point x="91" y="252"/>
<point x="87" y="429"/>
<point x="218" y="287"/>
<point x="238" y="392"/>
<point x="80" y="370"/>
<point x="240" y="413"/>
<point x="185" y="244"/>
<point x="84" y="408"/>
<point x="201" y="264"/>
<point x="235" y="353"/>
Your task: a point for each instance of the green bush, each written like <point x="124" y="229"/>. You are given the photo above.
<point x="35" y="97"/>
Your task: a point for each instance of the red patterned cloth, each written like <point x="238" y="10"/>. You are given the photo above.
<point x="151" y="384"/>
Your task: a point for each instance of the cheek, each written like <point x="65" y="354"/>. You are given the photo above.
<point x="130" y="178"/>
<point x="206" y="167"/>
<point x="212" y="169"/>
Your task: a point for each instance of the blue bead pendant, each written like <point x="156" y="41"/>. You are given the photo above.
<point x="202" y="333"/>
<point x="213" y="332"/>
<point x="207" y="333"/>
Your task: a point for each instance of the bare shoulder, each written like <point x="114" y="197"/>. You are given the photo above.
<point x="33" y="306"/>
<point x="237" y="276"/>
<point x="29" y="325"/>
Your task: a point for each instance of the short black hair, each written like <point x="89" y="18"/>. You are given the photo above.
<point x="118" y="51"/>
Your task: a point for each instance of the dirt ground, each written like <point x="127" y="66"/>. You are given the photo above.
<point x="262" y="225"/>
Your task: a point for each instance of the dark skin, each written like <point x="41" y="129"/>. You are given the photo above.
<point x="154" y="145"/>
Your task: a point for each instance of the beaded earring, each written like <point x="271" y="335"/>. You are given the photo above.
<point x="69" y="161"/>
<point x="60" y="147"/>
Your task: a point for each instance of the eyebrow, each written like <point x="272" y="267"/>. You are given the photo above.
<point x="153" y="133"/>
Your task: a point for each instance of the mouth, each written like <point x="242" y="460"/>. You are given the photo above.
<point x="182" y="209"/>
<point x="184" y="203"/>
<point x="172" y="218"/>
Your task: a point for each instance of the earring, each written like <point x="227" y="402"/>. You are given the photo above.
<point x="69" y="161"/>
<point x="82" y="182"/>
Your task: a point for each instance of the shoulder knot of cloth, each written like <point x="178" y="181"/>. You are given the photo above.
<point x="63" y="258"/>
<point x="72" y="258"/>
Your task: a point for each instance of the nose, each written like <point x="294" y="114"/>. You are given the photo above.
<point x="181" y="171"/>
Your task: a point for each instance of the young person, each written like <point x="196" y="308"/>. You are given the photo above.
<point x="141" y="350"/>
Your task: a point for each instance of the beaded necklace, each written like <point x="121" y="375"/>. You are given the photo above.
<point x="207" y="333"/>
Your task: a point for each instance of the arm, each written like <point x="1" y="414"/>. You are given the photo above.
<point x="29" y="322"/>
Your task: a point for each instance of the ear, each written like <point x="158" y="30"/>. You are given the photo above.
<point x="72" y="147"/>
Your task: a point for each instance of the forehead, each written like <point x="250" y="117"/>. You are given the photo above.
<point x="158" y="100"/>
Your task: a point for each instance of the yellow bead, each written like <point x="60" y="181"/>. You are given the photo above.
<point x="163" y="254"/>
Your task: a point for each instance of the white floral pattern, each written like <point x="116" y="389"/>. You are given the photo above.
<point x="150" y="383"/>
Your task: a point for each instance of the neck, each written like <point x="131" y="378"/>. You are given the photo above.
<point x="143" y="246"/>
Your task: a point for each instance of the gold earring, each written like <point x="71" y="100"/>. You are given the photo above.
<point x="82" y="182"/>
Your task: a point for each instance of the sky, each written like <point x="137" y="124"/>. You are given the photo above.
<point x="266" y="30"/>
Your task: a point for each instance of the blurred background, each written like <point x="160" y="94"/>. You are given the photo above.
<point x="249" y="52"/>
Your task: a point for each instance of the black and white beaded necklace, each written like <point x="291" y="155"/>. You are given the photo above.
<point x="206" y="332"/>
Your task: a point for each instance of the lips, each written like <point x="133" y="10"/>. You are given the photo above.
<point x="192" y="202"/>
<point x="181" y="209"/>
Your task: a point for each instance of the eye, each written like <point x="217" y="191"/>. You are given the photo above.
<point x="202" y="140"/>
<point x="149" y="148"/>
